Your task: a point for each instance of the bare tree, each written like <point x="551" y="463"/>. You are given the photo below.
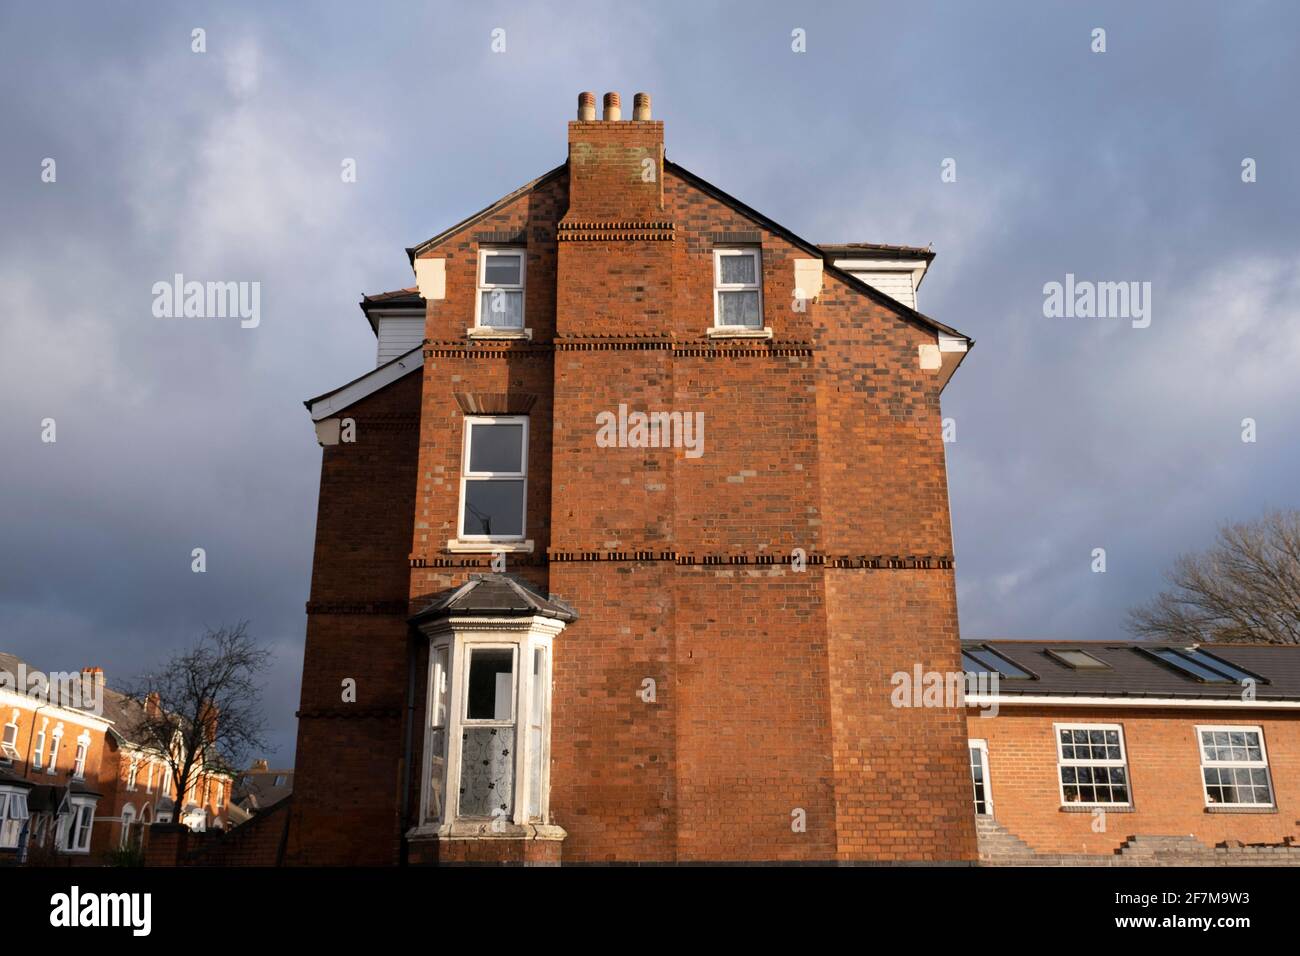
<point x="201" y="709"/>
<point x="1244" y="588"/>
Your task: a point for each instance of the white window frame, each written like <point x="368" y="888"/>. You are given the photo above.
<point x="719" y="252"/>
<point x="467" y="476"/>
<point x="132" y="772"/>
<point x="1075" y="762"/>
<point x="482" y="285"/>
<point x="437" y="717"/>
<point x="57" y="741"/>
<point x="8" y="746"/>
<point x="77" y="823"/>
<point x="11" y="830"/>
<point x="128" y="819"/>
<point x="983" y="747"/>
<point x="1233" y="764"/>
<point x="38" y="751"/>
<point x="79" y="760"/>
<point x="522" y="636"/>
<point x="221" y="795"/>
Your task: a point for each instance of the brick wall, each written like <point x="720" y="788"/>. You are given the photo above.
<point x="772" y="701"/>
<point x="1164" y="772"/>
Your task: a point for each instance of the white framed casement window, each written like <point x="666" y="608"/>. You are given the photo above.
<point x="499" y="302"/>
<point x="738" y="288"/>
<point x="979" y="776"/>
<point x="488" y="732"/>
<point x="9" y="739"/>
<point x="79" y="761"/>
<point x="38" y="750"/>
<point x="1092" y="767"/>
<point x="128" y="820"/>
<point x="494" y="479"/>
<point x="132" y="773"/>
<point x="1234" y="766"/>
<point x="13" y="814"/>
<point x="75" y="825"/>
<point x="56" y="741"/>
<point x="221" y="794"/>
<point x="435" y="756"/>
<point x="488" y="747"/>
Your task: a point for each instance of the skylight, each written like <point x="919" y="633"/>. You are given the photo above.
<point x="1077" y="659"/>
<point x="1202" y="666"/>
<point x="981" y="660"/>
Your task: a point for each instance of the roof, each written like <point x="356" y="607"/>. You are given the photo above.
<point x="126" y="714"/>
<point x="495" y="595"/>
<point x="335" y="400"/>
<point x="875" y="250"/>
<point x="398" y="299"/>
<point x="256" y="790"/>
<point x="1132" y="670"/>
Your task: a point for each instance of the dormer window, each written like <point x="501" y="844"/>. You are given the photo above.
<point x="738" y="288"/>
<point x="500" y="305"/>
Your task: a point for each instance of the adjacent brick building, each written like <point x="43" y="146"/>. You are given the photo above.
<point x="619" y="544"/>
<point x="76" y="783"/>
<point x="1124" y="752"/>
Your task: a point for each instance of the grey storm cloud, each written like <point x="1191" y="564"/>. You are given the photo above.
<point x="1072" y="434"/>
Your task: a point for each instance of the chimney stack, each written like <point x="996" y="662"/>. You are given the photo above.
<point x="641" y="107"/>
<point x="153" y="706"/>
<point x="613" y="108"/>
<point x="92" y="686"/>
<point x="586" y="107"/>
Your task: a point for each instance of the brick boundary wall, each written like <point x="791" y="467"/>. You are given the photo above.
<point x="259" y="842"/>
<point x="998" y="846"/>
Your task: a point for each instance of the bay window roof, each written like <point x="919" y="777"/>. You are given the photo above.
<point x="495" y="595"/>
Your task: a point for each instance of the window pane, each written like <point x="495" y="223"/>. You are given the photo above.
<point x="490" y="697"/>
<point x="738" y="270"/>
<point x="540" y="687"/>
<point x="501" y="309"/>
<point x="501" y="270"/>
<point x="740" y="308"/>
<point x="487" y="777"/>
<point x="438" y="717"/>
<point x="496" y="447"/>
<point x="495" y="507"/>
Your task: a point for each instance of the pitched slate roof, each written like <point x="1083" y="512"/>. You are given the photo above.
<point x="1133" y="672"/>
<point x="256" y="790"/>
<point x="495" y="595"/>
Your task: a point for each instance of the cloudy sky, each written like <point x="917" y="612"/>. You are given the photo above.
<point x="1072" y="433"/>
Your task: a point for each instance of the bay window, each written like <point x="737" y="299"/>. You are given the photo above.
<point x="487" y="730"/>
<point x="13" y="814"/>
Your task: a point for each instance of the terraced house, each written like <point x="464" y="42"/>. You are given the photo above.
<point x="528" y="642"/>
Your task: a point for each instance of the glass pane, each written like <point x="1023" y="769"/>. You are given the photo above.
<point x="1191" y="667"/>
<point x="501" y="309"/>
<point x="487" y="775"/>
<point x="501" y="270"/>
<point x="740" y="308"/>
<point x="534" y="772"/>
<point x="490" y="693"/>
<point x="438" y="717"/>
<point x="437" y="773"/>
<point x="495" y="507"/>
<point x="738" y="270"/>
<point x="496" y="447"/>
<point x="1219" y="665"/>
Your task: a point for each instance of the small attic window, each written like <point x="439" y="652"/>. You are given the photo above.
<point x="1078" y="660"/>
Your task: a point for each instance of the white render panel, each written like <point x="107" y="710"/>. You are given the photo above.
<point x="397" y="336"/>
<point x="895" y="284"/>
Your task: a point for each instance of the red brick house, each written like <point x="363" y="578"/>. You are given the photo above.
<point x="1136" y="752"/>
<point x="619" y="544"/>
<point x="75" y="783"/>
